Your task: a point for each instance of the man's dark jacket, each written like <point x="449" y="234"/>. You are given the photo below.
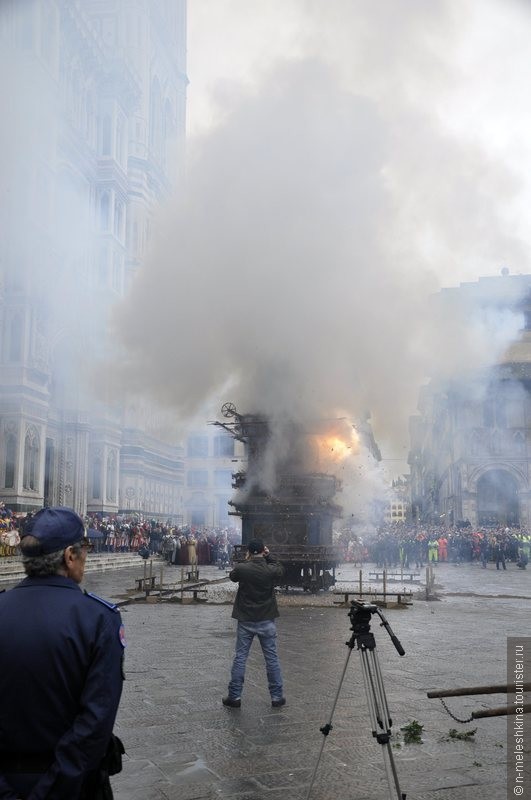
<point x="255" y="600"/>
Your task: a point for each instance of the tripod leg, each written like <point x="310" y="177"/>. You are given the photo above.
<point x="375" y="693"/>
<point x="395" y="792"/>
<point x="381" y="690"/>
<point x="379" y="716"/>
<point x="325" y="730"/>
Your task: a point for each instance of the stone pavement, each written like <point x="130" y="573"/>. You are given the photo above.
<point x="182" y="744"/>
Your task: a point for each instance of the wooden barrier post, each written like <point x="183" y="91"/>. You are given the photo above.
<point x="430" y="581"/>
<point x="361" y="583"/>
<point x="384" y="584"/>
<point x="148" y="581"/>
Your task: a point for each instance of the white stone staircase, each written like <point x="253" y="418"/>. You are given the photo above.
<point x="11" y="569"/>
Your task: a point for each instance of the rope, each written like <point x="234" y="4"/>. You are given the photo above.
<point x="456" y="719"/>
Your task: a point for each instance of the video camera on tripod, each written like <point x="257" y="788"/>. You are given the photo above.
<point x="360" y="616"/>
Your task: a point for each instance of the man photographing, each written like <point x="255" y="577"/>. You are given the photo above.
<point x="62" y="649"/>
<point x="255" y="608"/>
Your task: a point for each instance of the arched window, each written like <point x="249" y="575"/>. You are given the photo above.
<point x="48" y="43"/>
<point x="105" y="209"/>
<point x="25" y="29"/>
<point x="519" y="443"/>
<point x="117" y="273"/>
<point x="11" y="455"/>
<point x="106" y="136"/>
<point x="89" y="118"/>
<point x="169" y="128"/>
<point x="96" y="478"/>
<point x="78" y="108"/>
<point x="155" y="119"/>
<point x="15" y="338"/>
<point x="497" y="499"/>
<point x="118" y="220"/>
<point x="103" y="265"/>
<point x="120" y="141"/>
<point x="494" y="410"/>
<point x="134" y="238"/>
<point x="475" y="444"/>
<point x="111" y="477"/>
<point x="496" y="443"/>
<point x="31" y="459"/>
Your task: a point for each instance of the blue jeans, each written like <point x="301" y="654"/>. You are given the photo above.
<point x="267" y="635"/>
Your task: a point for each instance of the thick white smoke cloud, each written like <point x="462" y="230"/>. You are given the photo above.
<point x="48" y="239"/>
<point x="319" y="216"/>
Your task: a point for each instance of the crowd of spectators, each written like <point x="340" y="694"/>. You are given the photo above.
<point x="185" y="545"/>
<point x="414" y="546"/>
<point x="395" y="545"/>
<point x="9" y="531"/>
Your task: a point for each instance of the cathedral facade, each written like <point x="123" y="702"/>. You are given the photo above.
<point x="93" y="141"/>
<point x="470" y="454"/>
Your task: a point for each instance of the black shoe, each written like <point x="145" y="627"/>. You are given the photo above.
<point x="232" y="702"/>
<point x="278" y="703"/>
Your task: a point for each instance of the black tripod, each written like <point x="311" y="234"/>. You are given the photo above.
<point x="360" y="617"/>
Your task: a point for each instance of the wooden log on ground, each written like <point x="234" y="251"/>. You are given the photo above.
<point x="500" y="688"/>
<point x="501" y="711"/>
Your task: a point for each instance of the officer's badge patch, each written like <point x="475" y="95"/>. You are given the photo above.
<point x="121" y="635"/>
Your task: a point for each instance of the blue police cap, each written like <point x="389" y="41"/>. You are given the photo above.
<point x="55" y="528"/>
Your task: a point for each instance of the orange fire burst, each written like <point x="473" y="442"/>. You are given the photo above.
<point x="336" y="447"/>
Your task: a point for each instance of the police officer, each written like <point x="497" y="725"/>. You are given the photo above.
<point x="255" y="608"/>
<point x="61" y="670"/>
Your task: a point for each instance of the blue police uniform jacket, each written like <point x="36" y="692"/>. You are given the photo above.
<point x="61" y="676"/>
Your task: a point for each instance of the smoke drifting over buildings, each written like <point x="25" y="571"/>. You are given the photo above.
<point x="341" y="186"/>
<point x="48" y="236"/>
<point x="93" y="100"/>
<point x="321" y="212"/>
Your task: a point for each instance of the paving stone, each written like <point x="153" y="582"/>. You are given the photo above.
<point x="182" y="744"/>
<point x="236" y="786"/>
